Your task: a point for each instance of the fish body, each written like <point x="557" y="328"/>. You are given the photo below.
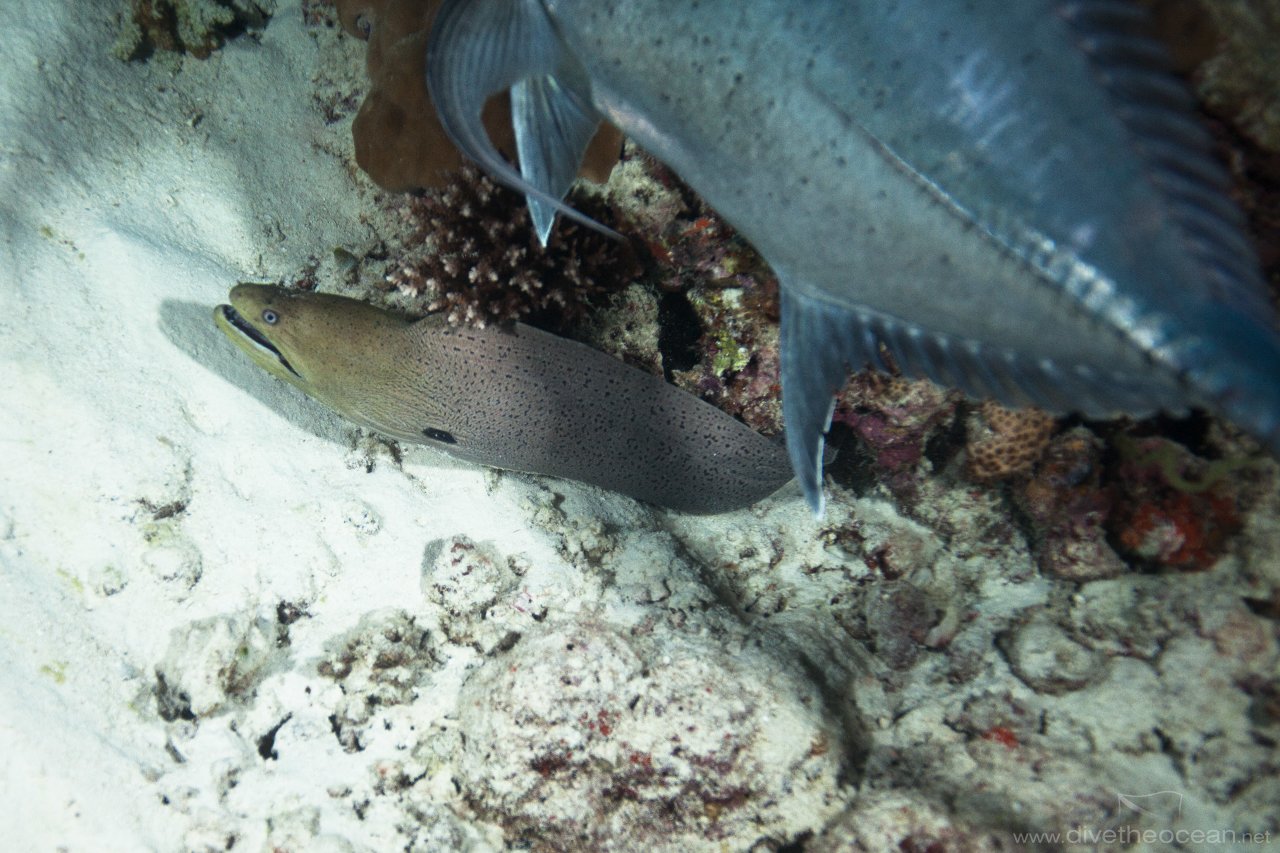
<point x="523" y="400"/>
<point x="1014" y="199"/>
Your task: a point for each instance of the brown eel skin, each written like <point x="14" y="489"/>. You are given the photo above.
<point x="519" y="399"/>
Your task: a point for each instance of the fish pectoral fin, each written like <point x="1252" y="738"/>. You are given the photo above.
<point x="481" y="47"/>
<point x="553" y="124"/>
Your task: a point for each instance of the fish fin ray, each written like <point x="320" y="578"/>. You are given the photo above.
<point x="1160" y="115"/>
<point x="553" y="124"/>
<point x="822" y="342"/>
<point x="981" y="370"/>
<point x="478" y="48"/>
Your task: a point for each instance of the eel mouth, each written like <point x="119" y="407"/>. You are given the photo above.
<point x="242" y="325"/>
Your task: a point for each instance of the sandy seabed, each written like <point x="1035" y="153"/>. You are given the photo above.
<point x="229" y="620"/>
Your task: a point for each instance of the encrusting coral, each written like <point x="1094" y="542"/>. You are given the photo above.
<point x="398" y="138"/>
<point x="473" y="254"/>
<point x="735" y="299"/>
<point x="1177" y="511"/>
<point x="1009" y="441"/>
<point x="1096" y="509"/>
<point x="1066" y="505"/>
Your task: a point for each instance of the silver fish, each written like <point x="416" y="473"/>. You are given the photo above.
<point x="1010" y="198"/>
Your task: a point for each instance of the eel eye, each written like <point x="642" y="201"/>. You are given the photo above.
<point x="364" y="26"/>
<point x="270" y="317"/>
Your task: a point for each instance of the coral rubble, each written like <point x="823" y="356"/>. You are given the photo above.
<point x="1176" y="510"/>
<point x="228" y="633"/>
<point x="1067" y="506"/>
<point x="197" y="27"/>
<point x="584" y="736"/>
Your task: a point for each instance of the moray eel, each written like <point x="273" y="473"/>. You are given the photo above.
<point x="524" y="400"/>
<point x="1011" y="198"/>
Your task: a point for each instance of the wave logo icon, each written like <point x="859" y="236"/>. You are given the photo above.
<point x="1161" y="804"/>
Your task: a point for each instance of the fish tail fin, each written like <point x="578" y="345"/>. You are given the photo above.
<point x="816" y="351"/>
<point x="481" y="47"/>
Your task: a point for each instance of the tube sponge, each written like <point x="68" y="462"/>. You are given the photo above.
<point x="398" y="138"/>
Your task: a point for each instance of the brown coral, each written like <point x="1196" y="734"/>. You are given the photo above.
<point x="398" y="138"/>
<point x="473" y="253"/>
<point x="1010" y="442"/>
<point x="1067" y="506"/>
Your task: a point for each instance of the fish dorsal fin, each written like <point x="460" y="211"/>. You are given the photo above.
<point x="481" y="47"/>
<point x="1158" y="112"/>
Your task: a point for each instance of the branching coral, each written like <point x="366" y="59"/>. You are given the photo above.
<point x="472" y="252"/>
<point x="197" y="27"/>
<point x="398" y="139"/>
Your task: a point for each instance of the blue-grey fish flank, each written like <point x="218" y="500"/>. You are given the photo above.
<point x="1015" y="199"/>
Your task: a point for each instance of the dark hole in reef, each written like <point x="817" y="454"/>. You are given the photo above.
<point x="1190" y="430"/>
<point x="1267" y="608"/>
<point x="943" y="446"/>
<point x="799" y="845"/>
<point x="439" y="435"/>
<point x="853" y="468"/>
<point x="171" y="702"/>
<point x="287" y="613"/>
<point x="678" y="333"/>
<point x="267" y="743"/>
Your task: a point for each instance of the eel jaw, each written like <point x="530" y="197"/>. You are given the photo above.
<point x="231" y="319"/>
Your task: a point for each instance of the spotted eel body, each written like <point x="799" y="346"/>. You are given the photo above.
<point x="523" y="400"/>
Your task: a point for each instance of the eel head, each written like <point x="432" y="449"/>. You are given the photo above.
<point x="307" y="339"/>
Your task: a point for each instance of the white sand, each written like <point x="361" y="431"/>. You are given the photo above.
<point x="125" y="221"/>
<point x="588" y="666"/>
